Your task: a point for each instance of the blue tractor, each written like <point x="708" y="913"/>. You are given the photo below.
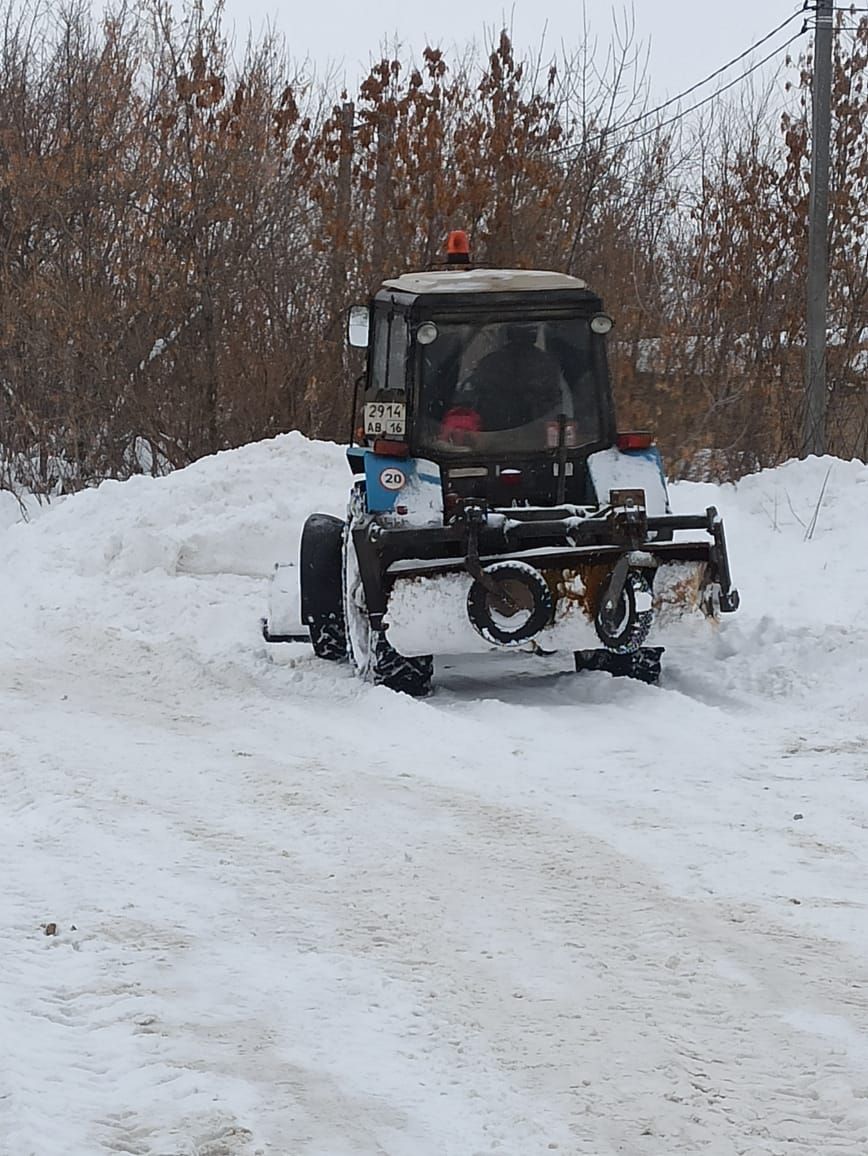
<point x="494" y="505"/>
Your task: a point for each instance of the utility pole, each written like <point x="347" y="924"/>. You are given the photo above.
<point x="814" y="427"/>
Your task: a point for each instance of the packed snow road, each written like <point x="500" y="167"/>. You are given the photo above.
<point x="537" y="912"/>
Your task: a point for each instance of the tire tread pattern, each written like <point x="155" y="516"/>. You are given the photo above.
<point x="411" y="676"/>
<point x="643" y="664"/>
<point x="328" y="638"/>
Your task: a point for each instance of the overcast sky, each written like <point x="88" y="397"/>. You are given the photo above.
<point x="686" y="40"/>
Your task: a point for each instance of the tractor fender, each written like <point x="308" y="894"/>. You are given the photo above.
<point x="401" y="491"/>
<point x="320" y="566"/>
<point x="615" y="469"/>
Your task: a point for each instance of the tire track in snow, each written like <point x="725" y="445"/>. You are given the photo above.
<point x="577" y="1018"/>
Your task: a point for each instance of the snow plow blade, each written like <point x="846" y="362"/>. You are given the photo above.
<point x="612" y="578"/>
<point x="523" y="536"/>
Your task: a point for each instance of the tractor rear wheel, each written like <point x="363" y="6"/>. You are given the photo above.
<point x="322" y="607"/>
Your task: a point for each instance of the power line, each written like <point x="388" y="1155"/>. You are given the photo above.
<point x="714" y="95"/>
<point x="713" y="75"/>
<point x="702" y="83"/>
<point x="700" y="103"/>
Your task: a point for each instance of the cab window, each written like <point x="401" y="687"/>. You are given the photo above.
<point x="389" y="356"/>
<point x="495" y="386"/>
<point x="385" y="413"/>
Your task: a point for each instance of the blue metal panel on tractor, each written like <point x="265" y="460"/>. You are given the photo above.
<point x="410" y="482"/>
<point x="650" y="454"/>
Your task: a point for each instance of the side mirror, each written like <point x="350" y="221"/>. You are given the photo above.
<point x="358" y="326"/>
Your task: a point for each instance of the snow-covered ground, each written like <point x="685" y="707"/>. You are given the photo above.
<point x="302" y="916"/>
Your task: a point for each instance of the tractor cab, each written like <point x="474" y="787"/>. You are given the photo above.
<point x="500" y="376"/>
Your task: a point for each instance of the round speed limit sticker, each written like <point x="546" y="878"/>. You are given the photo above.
<point x="392" y="478"/>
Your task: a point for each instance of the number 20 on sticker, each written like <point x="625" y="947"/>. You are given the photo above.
<point x="392" y="478"/>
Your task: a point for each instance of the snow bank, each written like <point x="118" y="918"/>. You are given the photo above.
<point x="796" y="537"/>
<point x="18" y="508"/>
<point x="169" y="572"/>
<point x="796" y="532"/>
<point x="799" y="547"/>
<point x="234" y="513"/>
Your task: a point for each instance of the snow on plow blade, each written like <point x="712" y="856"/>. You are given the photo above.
<point x="430" y="610"/>
<point x="430" y="600"/>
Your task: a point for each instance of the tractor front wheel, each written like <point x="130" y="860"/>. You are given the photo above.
<point x="369" y="650"/>
<point x="642" y="664"/>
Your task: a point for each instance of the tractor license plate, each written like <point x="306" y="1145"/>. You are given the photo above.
<point x="384" y="418"/>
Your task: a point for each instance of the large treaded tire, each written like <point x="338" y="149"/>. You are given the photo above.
<point x="388" y="668"/>
<point x="329" y="640"/>
<point x="628" y="627"/>
<point x="522" y="583"/>
<point x="642" y="664"/>
<point x="368" y="649"/>
<point x="322" y="606"/>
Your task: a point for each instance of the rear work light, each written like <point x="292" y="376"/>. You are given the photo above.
<point x="510" y="477"/>
<point x="634" y="440"/>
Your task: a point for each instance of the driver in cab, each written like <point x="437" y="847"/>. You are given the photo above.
<point x="516" y="387"/>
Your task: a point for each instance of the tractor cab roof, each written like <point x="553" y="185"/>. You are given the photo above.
<point x="483" y="281"/>
<point x="502" y="290"/>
